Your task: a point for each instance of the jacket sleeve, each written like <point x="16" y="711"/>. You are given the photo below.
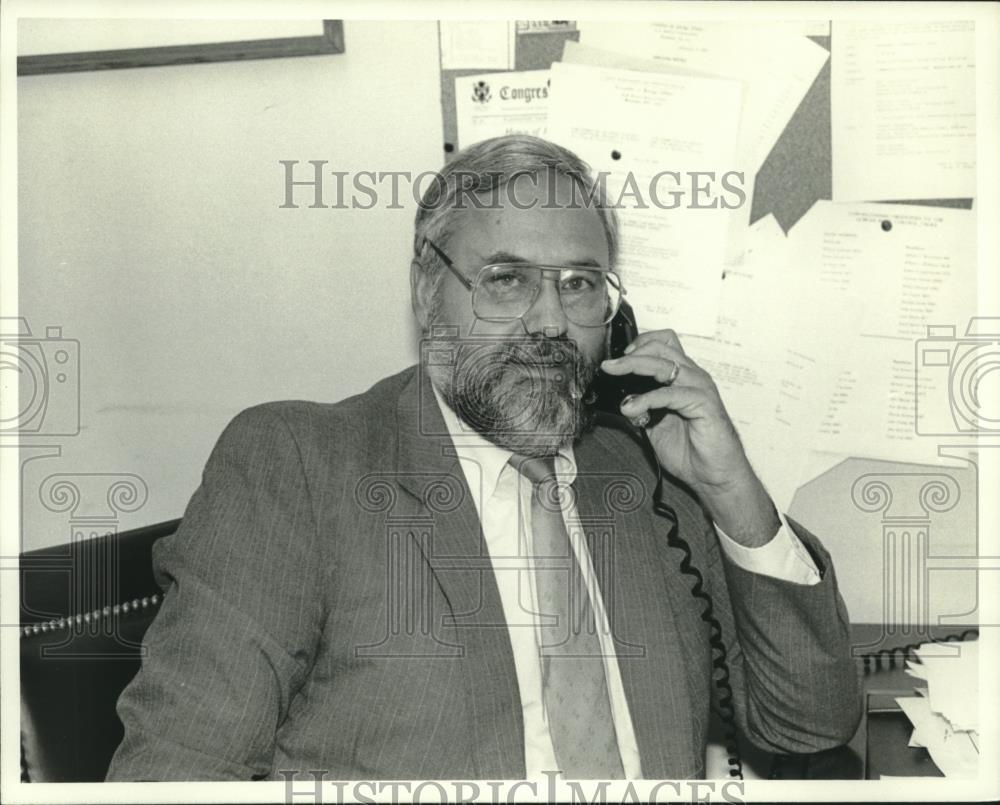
<point x="240" y="620"/>
<point x="795" y="684"/>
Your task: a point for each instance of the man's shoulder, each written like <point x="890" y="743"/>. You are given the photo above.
<point x="366" y="418"/>
<point x="376" y="403"/>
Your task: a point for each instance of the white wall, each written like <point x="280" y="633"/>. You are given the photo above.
<point x="877" y="584"/>
<point x="150" y="230"/>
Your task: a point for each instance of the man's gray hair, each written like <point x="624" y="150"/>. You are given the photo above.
<point x="486" y="168"/>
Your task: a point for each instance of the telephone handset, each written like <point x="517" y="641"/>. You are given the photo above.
<point x="606" y="393"/>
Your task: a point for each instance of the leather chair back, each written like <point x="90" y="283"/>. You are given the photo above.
<point x="85" y="607"/>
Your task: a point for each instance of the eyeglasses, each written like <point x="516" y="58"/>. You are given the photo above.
<point x="590" y="297"/>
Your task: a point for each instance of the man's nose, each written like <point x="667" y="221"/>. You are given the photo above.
<point x="546" y="315"/>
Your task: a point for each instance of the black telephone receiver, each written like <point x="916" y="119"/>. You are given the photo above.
<point x="608" y="391"/>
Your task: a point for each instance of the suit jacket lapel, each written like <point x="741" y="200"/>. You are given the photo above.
<point x="642" y="591"/>
<point x="459" y="559"/>
<point x="626" y="542"/>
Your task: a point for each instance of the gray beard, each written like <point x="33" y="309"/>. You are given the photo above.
<point x="517" y="393"/>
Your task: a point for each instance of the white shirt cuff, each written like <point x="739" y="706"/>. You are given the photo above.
<point x="784" y="557"/>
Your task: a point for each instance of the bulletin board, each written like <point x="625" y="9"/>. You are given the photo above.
<point x="796" y="173"/>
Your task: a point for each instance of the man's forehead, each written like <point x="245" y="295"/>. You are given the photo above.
<point x="564" y="231"/>
<point x="505" y="256"/>
<point x="551" y="186"/>
<point x="524" y="191"/>
<point x="544" y="238"/>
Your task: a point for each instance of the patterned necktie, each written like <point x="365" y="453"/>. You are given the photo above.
<point x="574" y="686"/>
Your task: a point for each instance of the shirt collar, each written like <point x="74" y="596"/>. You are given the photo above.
<point x="472" y="447"/>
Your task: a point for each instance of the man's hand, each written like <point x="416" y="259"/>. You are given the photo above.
<point x="696" y="440"/>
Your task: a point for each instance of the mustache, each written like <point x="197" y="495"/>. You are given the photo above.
<point x="536" y="350"/>
<point x="512" y="372"/>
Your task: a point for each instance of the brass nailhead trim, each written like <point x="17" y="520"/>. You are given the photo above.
<point x="135" y="604"/>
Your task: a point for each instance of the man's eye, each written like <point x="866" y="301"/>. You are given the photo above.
<point x="507" y="279"/>
<point x="578" y="283"/>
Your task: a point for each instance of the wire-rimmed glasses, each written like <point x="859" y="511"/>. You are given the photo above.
<point x="590" y="297"/>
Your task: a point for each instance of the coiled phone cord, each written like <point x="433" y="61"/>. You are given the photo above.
<point x="895" y="657"/>
<point x="720" y="672"/>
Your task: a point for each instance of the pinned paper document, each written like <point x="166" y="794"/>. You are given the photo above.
<point x="773" y="360"/>
<point x="670" y="185"/>
<point x="744" y="162"/>
<point x="545" y="26"/>
<point x="903" y="106"/>
<point x="480" y="44"/>
<point x="494" y="104"/>
<point x="774" y="62"/>
<point x="911" y="267"/>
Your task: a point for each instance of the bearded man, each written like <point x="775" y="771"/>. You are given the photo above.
<point x="470" y="572"/>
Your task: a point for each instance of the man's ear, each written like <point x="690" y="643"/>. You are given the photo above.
<point x="421" y="293"/>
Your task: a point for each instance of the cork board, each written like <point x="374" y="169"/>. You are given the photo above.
<point x="796" y="173"/>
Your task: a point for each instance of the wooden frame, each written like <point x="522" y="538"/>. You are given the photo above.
<point x="331" y="40"/>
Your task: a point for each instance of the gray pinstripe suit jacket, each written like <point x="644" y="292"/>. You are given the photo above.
<point x="329" y="605"/>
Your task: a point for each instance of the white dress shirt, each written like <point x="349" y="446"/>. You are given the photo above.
<point x="503" y="501"/>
